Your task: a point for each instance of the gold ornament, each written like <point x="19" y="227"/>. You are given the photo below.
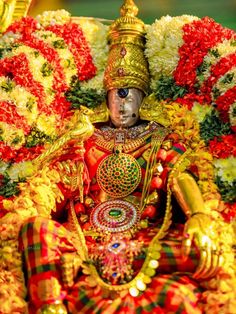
<point x="100" y="114"/>
<point x="119" y="175"/>
<point x="127" y="66"/>
<point x="11" y="10"/>
<point x="81" y="130"/>
<point x="153" y="110"/>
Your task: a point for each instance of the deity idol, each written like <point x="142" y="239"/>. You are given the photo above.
<point x="119" y="250"/>
<point x="133" y="233"/>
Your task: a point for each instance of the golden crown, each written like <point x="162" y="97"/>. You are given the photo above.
<point x="127" y="66"/>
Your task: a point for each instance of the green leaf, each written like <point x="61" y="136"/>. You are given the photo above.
<point x="228" y="78"/>
<point x="166" y="88"/>
<point x="7" y="85"/>
<point x="227" y="191"/>
<point x="202" y="68"/>
<point x="216" y="92"/>
<point x="212" y="126"/>
<point x="214" y="52"/>
<point x="16" y="140"/>
<point x="46" y="69"/>
<point x="8" y="187"/>
<point x="37" y="137"/>
<point x="89" y="97"/>
<point x="59" y="44"/>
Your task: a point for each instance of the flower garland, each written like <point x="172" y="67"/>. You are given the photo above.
<point x="199" y="37"/>
<point x="38" y="197"/>
<point x="202" y="78"/>
<point x="164" y="37"/>
<point x="40" y="61"/>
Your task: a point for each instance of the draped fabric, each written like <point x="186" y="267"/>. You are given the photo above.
<point x="172" y="290"/>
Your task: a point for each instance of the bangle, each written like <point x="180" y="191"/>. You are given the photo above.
<point x="196" y="213"/>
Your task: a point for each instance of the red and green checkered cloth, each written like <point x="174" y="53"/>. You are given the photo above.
<point x="43" y="241"/>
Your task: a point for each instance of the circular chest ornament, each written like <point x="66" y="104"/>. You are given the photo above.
<point x="114" y="216"/>
<point x="119" y="175"/>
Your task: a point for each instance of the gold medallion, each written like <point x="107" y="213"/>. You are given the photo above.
<point x="119" y="175"/>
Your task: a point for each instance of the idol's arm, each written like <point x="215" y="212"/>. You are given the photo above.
<point x="200" y="227"/>
<point x="188" y="194"/>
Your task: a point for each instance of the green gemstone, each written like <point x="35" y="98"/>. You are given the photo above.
<point x="115" y="213"/>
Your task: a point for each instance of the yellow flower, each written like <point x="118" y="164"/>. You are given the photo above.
<point x="201" y="111"/>
<point x="47" y="124"/>
<point x="232" y="116"/>
<point x="96" y="35"/>
<point x="35" y="64"/>
<point x="21" y="170"/>
<point x="12" y="136"/>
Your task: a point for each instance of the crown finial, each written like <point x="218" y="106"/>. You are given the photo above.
<point x="129" y="8"/>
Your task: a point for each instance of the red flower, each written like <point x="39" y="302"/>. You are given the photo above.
<point x="223" y="146"/>
<point x="218" y="70"/>
<point x="26" y="25"/>
<point x="61" y="106"/>
<point x="230" y="212"/>
<point x="189" y="99"/>
<point x="9" y="154"/>
<point x="51" y="55"/>
<point x="18" y="68"/>
<point x="8" y="114"/>
<point x="224" y="101"/>
<point x="77" y="44"/>
<point x="199" y="37"/>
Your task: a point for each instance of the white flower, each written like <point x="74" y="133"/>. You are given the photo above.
<point x="164" y="38"/>
<point x="53" y="17"/>
<point x="226" y="169"/>
<point x="223" y="84"/>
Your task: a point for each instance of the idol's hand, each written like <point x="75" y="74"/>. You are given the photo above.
<point x="200" y="230"/>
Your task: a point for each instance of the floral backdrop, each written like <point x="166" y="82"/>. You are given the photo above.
<point x="53" y="64"/>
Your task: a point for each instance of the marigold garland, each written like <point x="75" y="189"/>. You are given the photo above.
<point x="186" y="127"/>
<point x="36" y="113"/>
<point x="38" y="197"/>
<point x="204" y="72"/>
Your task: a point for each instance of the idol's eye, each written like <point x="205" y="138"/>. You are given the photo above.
<point x="123" y="92"/>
